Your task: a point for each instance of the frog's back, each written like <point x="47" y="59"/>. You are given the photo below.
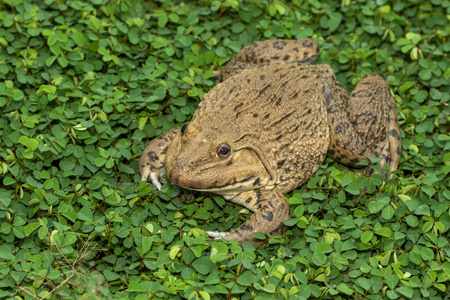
<point x="278" y="109"/>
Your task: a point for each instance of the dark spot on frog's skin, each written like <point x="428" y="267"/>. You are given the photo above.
<point x="284" y="84"/>
<point x="143" y="166"/>
<point x="248" y="80"/>
<point x="278" y="101"/>
<point x="383" y="135"/>
<point x="398" y="150"/>
<point x="354" y="161"/>
<point x="275" y="45"/>
<point x="238" y="114"/>
<point x="231" y="91"/>
<point x="266" y="116"/>
<point x="340" y="128"/>
<point x="256" y="183"/>
<point x="279" y="45"/>
<point x="295" y="49"/>
<point x="268" y="216"/>
<point x="276" y="57"/>
<point x="270" y="204"/>
<point x="375" y="153"/>
<point x="393" y="133"/>
<point x="246" y="227"/>
<point x="248" y="200"/>
<point x="238" y="106"/>
<point x="255" y="115"/>
<point x="359" y="94"/>
<point x="306" y="53"/>
<point x="258" y="196"/>
<point x="262" y="77"/>
<point x="261" y="60"/>
<point x="286" y="57"/>
<point x="238" y="232"/>
<point x="229" y="163"/>
<point x="366" y="83"/>
<point x="304" y="76"/>
<point x="307" y="44"/>
<point x="383" y="156"/>
<point x="331" y="152"/>
<point x="152" y="156"/>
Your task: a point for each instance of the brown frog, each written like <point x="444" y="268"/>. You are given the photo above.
<point x="267" y="128"/>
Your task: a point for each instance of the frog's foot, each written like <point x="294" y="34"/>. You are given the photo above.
<point x="155" y="177"/>
<point x="151" y="162"/>
<point x="270" y="212"/>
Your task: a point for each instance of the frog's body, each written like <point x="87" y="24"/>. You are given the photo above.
<point x="268" y="127"/>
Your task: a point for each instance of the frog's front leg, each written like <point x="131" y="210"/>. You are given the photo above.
<point x="151" y="162"/>
<point x="270" y="209"/>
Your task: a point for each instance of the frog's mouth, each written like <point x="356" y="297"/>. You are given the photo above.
<point x="242" y="171"/>
<point x="234" y="185"/>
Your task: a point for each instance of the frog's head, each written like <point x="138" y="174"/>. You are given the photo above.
<point x="203" y="158"/>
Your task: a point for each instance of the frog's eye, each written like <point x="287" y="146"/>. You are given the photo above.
<point x="223" y="151"/>
<point x="183" y="129"/>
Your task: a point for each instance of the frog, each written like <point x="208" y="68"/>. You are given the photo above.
<point x="268" y="126"/>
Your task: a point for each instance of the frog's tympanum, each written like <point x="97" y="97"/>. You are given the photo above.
<point x="268" y="126"/>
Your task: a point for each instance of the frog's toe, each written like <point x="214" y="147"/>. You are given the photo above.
<point x="154" y="175"/>
<point x="216" y="234"/>
<point x="155" y="180"/>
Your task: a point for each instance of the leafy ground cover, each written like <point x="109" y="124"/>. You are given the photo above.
<point x="86" y="84"/>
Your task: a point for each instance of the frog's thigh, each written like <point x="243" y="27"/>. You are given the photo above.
<point x="368" y="126"/>
<point x="234" y="67"/>
<point x="278" y="51"/>
<point x="373" y="113"/>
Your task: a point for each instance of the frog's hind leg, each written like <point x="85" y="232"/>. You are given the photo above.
<point x="279" y="51"/>
<point x="303" y="51"/>
<point x="373" y="130"/>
